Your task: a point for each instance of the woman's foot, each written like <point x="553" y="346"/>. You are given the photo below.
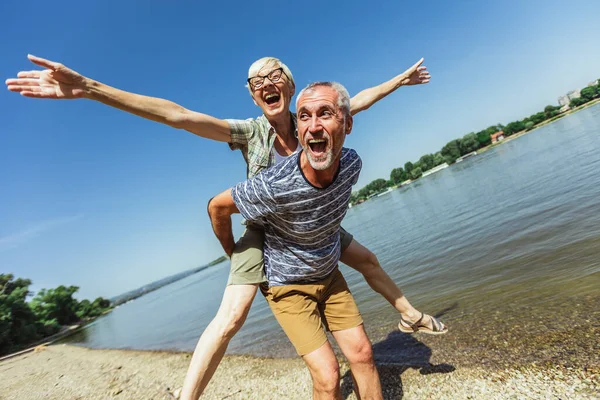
<point x="425" y="323"/>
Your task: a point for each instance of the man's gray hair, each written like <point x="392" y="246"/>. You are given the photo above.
<point x="343" y="95"/>
<point x="273" y="62"/>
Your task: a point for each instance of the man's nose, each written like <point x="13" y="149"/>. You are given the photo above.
<point x="315" y="125"/>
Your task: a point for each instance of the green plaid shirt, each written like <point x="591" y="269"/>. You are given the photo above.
<point x="254" y="138"/>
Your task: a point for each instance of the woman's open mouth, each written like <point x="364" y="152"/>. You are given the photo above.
<point x="272" y="98"/>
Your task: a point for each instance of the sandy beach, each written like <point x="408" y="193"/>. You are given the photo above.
<point x="70" y="372"/>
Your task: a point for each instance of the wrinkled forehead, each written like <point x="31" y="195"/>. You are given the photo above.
<point x="317" y="98"/>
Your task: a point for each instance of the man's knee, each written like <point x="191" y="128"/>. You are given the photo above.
<point x="361" y="352"/>
<point x="327" y="377"/>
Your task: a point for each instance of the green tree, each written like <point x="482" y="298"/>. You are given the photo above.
<point x="529" y="125"/>
<point x="416" y="173"/>
<point x="538" y="117"/>
<point x="451" y="151"/>
<point x="589" y="93"/>
<point x="56" y="304"/>
<point x="408" y="167"/>
<point x="377" y="185"/>
<point x="576" y="102"/>
<point x="514" y="127"/>
<point x="426" y="162"/>
<point x="484" y="137"/>
<point x="363" y="193"/>
<point x="398" y="175"/>
<point x="18" y="323"/>
<point x="551" y="111"/>
<point x="468" y="144"/>
<point x="86" y="309"/>
<point x="438" y="159"/>
<point x="101" y="303"/>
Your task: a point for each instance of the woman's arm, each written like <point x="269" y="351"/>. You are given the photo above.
<point x="415" y="75"/>
<point x="60" y="82"/>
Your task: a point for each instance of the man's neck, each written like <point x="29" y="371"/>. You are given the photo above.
<point x="318" y="178"/>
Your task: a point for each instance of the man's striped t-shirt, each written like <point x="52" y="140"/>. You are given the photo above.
<point x="301" y="221"/>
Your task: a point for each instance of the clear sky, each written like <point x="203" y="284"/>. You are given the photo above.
<point x="94" y="197"/>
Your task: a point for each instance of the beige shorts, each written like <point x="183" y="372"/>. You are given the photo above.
<point x="306" y="311"/>
<point x="247" y="264"/>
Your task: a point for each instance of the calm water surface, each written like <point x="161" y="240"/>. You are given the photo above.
<point x="514" y="228"/>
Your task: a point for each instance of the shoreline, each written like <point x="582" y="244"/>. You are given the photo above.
<point x="507" y="139"/>
<point x="64" y="333"/>
<point x="541" y="124"/>
<point x="65" y="371"/>
<point x="487" y="328"/>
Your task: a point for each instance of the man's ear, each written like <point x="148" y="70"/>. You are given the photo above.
<point x="349" y="122"/>
<point x="255" y="103"/>
<point x="292" y="90"/>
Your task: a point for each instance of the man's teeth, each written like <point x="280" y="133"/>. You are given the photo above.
<point x="316" y="141"/>
<point x="270" y="96"/>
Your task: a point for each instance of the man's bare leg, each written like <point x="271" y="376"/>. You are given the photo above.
<point x="356" y="346"/>
<point x="211" y="347"/>
<point x="364" y="261"/>
<point x="325" y="373"/>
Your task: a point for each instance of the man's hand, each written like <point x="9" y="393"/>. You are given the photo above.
<point x="416" y="75"/>
<point x="55" y="82"/>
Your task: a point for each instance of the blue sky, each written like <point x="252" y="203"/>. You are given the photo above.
<point x="107" y="201"/>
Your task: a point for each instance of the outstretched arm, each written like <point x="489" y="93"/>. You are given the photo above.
<point x="220" y="209"/>
<point x="415" y="75"/>
<point x="60" y="82"/>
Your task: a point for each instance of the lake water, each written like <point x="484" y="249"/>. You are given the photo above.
<point x="504" y="246"/>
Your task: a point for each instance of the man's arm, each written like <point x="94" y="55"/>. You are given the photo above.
<point x="220" y="209"/>
<point x="415" y="75"/>
<point x="60" y="82"/>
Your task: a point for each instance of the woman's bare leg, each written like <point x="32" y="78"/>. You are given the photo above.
<point x="364" y="261"/>
<point x="211" y="347"/>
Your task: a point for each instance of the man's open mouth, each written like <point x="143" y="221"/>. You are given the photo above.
<point x="318" y="146"/>
<point x="272" y="98"/>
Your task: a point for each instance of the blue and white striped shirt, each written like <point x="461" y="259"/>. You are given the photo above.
<point x="301" y="222"/>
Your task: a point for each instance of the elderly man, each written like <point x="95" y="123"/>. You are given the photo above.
<point x="300" y="203"/>
<point x="263" y="142"/>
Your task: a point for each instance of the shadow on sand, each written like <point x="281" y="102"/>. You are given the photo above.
<point x="394" y="355"/>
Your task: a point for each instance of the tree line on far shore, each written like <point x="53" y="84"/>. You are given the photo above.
<point x="469" y="143"/>
<point x="23" y="322"/>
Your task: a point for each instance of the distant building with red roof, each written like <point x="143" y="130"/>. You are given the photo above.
<point x="498" y="136"/>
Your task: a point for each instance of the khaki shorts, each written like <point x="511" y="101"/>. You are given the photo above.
<point x="305" y="311"/>
<point x="247" y="264"/>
